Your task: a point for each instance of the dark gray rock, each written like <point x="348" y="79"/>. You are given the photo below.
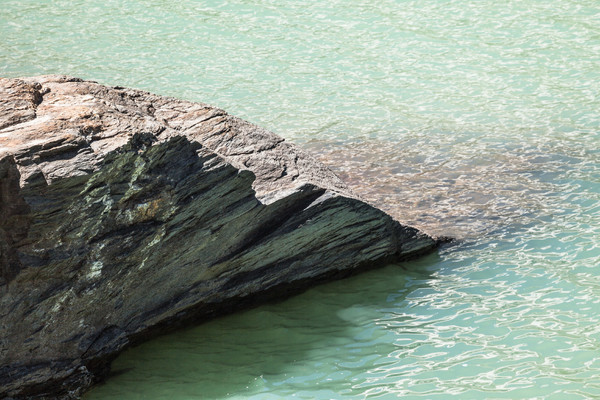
<point x="124" y="214"/>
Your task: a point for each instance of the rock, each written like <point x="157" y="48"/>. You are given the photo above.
<point x="124" y="214"/>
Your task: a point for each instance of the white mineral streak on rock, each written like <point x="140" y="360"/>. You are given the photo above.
<point x="95" y="270"/>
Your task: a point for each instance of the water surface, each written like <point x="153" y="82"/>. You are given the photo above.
<point x="477" y="119"/>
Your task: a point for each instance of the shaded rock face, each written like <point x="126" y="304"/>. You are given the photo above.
<point x="123" y="214"/>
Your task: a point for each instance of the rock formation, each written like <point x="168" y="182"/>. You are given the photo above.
<point x="123" y="214"/>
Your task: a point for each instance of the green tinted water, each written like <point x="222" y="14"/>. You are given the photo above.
<point x="478" y="119"/>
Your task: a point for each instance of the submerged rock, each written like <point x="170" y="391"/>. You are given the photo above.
<point x="124" y="214"/>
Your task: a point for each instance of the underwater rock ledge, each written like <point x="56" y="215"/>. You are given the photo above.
<point x="124" y="214"/>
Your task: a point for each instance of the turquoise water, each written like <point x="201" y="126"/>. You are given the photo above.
<point x="477" y="119"/>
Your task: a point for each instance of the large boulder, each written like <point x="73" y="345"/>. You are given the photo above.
<point x="124" y="214"/>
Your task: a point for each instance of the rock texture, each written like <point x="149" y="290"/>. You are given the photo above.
<point x="124" y="213"/>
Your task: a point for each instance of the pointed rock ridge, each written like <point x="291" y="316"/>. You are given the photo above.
<point x="124" y="214"/>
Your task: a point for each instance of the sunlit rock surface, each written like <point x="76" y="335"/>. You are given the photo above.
<point x="124" y="214"/>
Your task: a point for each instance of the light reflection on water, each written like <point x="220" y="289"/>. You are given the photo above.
<point x="474" y="119"/>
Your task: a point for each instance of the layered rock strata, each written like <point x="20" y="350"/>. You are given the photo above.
<point x="124" y="213"/>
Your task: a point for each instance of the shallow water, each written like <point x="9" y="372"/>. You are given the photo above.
<point x="478" y="120"/>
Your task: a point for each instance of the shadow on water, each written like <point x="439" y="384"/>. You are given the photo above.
<point x="279" y="345"/>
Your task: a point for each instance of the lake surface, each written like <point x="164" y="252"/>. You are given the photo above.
<point x="475" y="119"/>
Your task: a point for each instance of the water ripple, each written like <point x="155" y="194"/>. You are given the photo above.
<point x="477" y="120"/>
